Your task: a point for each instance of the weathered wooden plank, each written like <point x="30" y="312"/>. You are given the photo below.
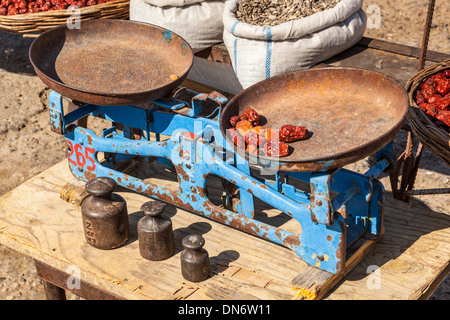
<point x="402" y="49"/>
<point x="410" y="256"/>
<point x="49" y="229"/>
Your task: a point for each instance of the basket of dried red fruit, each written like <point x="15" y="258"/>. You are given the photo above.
<point x="36" y="16"/>
<point x="429" y="112"/>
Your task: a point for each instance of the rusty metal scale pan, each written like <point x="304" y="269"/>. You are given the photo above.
<point x="111" y="62"/>
<point x="350" y="113"/>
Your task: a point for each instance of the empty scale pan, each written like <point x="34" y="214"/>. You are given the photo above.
<point x="111" y="62"/>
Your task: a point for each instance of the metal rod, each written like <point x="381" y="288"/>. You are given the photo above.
<point x="426" y="191"/>
<point x="426" y="34"/>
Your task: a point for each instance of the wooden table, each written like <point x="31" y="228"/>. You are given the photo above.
<point x="410" y="260"/>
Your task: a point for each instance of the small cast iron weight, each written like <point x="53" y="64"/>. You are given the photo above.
<point x="105" y="215"/>
<point x="194" y="259"/>
<point x="155" y="232"/>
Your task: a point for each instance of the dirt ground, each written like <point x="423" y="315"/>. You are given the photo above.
<point x="27" y="146"/>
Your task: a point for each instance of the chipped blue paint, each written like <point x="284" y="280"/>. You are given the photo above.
<point x="183" y="49"/>
<point x="197" y="149"/>
<point x="167" y="36"/>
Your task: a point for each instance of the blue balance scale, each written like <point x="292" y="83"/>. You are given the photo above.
<point x="351" y="114"/>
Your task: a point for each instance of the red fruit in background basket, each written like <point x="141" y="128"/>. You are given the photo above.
<point x="428" y="92"/>
<point x="61" y="6"/>
<point x="419" y="97"/>
<point x="438" y="76"/>
<point x="91" y="2"/>
<point x="47" y="6"/>
<point x="446" y="73"/>
<point x="13" y="11"/>
<point x="80" y="3"/>
<point x="435" y="98"/>
<point x="20" y="4"/>
<point x="3" y="11"/>
<point x="428" y="83"/>
<point x="443" y="86"/>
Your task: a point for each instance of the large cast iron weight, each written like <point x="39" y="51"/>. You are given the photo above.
<point x="104" y="214"/>
<point x="194" y="259"/>
<point x="155" y="233"/>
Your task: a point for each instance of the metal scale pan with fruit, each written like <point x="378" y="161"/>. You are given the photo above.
<point x="130" y="73"/>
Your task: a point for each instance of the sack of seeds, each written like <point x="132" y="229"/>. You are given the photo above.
<point x="266" y="38"/>
<point x="197" y="21"/>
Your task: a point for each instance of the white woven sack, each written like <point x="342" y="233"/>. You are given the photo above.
<point x="197" y="21"/>
<point x="259" y="52"/>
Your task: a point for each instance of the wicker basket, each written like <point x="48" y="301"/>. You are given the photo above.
<point x="35" y="23"/>
<point x="432" y="137"/>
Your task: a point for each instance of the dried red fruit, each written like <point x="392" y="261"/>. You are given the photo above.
<point x="254" y="139"/>
<point x="237" y="139"/>
<point x="419" y="97"/>
<point x="276" y="148"/>
<point x="234" y="120"/>
<point x="243" y="127"/>
<point x="428" y="92"/>
<point x="251" y="115"/>
<point x="252" y="149"/>
<point x="289" y="133"/>
<point x="260" y="130"/>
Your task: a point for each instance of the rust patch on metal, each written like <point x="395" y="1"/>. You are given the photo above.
<point x="181" y="173"/>
<point x="89" y="175"/>
<point x="89" y="139"/>
<point x="292" y="240"/>
<point x="342" y="248"/>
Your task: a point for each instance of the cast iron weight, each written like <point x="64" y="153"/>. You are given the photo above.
<point x="155" y="233"/>
<point x="194" y="259"/>
<point x="104" y="214"/>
